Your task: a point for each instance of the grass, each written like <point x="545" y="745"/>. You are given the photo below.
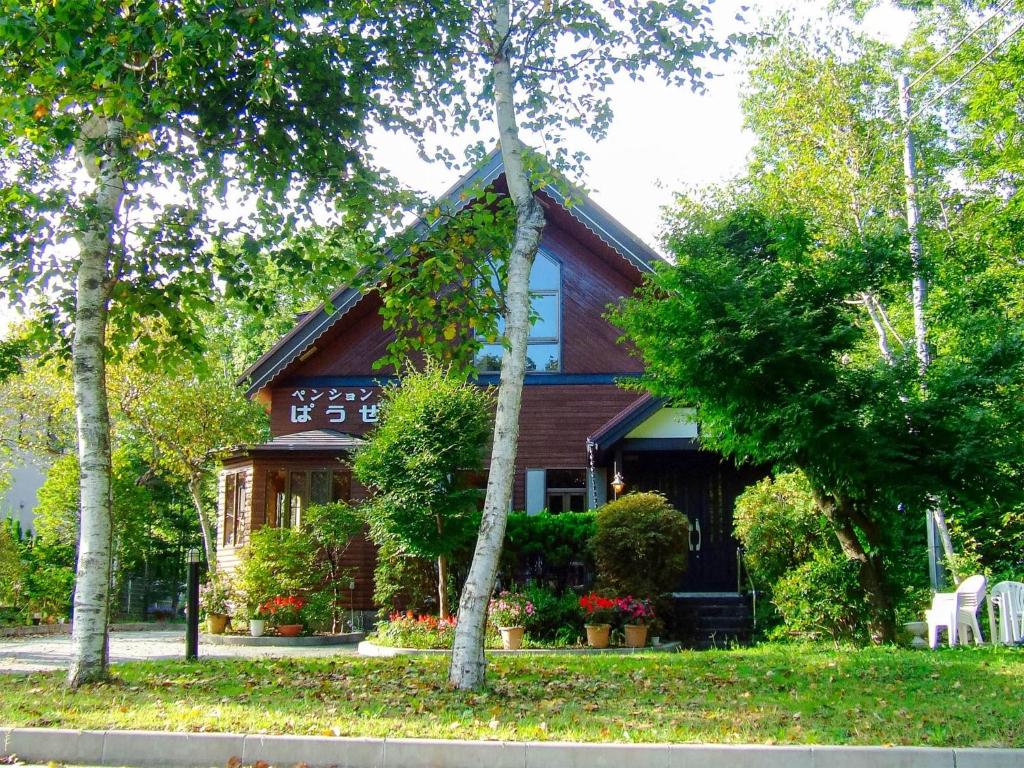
<point x="774" y="694"/>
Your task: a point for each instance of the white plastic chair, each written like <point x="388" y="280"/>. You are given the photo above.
<point x="957" y="612"/>
<point x="1008" y="597"/>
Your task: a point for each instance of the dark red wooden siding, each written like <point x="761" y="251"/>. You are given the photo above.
<point x="591" y="280"/>
<point x="557" y="418"/>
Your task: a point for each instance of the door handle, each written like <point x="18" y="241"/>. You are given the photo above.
<point x="689" y="534"/>
<point x="700" y="537"/>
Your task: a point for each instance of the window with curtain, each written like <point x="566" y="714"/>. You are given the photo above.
<point x="290" y="492"/>
<point x="235" y="504"/>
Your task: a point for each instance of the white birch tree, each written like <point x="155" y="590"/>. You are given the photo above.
<point x="121" y="122"/>
<point x="538" y="71"/>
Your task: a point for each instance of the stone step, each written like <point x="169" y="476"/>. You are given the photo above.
<point x="723" y="623"/>
<point x="712" y="621"/>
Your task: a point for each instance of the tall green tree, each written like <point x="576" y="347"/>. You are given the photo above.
<point x="122" y="122"/>
<point x="829" y="144"/>
<point x="420" y="463"/>
<point x="185" y="418"/>
<point x="753" y="327"/>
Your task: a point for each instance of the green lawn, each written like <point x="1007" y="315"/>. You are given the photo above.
<point x="770" y="694"/>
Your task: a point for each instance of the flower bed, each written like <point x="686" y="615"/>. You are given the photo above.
<point x="553" y="622"/>
<point x="405" y="630"/>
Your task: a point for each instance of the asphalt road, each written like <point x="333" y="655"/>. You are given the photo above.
<point x="43" y="653"/>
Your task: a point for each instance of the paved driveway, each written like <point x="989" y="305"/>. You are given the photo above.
<point x="34" y="654"/>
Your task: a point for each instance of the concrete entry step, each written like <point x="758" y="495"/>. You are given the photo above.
<point x="711" y="620"/>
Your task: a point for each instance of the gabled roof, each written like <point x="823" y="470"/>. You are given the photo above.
<point x="313" y="440"/>
<point x="293" y="345"/>
<point x="625" y="422"/>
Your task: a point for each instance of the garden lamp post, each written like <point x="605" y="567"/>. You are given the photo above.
<point x="192" y="610"/>
<point x="352" y="604"/>
<point x="618" y="484"/>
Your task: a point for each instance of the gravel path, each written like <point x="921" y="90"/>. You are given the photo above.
<point x="43" y="653"/>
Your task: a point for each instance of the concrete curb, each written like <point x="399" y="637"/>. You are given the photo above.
<point x="369" y="648"/>
<point x="275" y="641"/>
<point x="157" y="749"/>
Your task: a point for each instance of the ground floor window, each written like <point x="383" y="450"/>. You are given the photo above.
<point x="289" y="492"/>
<point x="235" y="504"/>
<point x="556" y="490"/>
<point x="566" y="490"/>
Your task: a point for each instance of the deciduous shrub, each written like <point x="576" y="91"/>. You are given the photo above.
<point x="10" y="566"/>
<point x="640" y="545"/>
<point x="822" y="596"/>
<point x="556" y="617"/>
<point x="795" y="561"/>
<point x="277" y="561"/>
<point x="779" y="525"/>
<point x="403" y="582"/>
<point x="321" y="614"/>
<point x="333" y="527"/>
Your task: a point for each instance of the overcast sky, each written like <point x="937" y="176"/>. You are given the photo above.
<point x="662" y="140"/>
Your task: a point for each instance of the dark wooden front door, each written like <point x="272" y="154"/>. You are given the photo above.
<point x="704" y="488"/>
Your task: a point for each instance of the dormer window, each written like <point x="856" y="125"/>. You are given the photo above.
<point x="544" y="346"/>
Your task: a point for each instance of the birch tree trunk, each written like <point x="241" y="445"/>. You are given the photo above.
<point x="206" y="525"/>
<point x="468" y="669"/>
<point x="92" y="577"/>
<point x="937" y="515"/>
<point x="876" y="320"/>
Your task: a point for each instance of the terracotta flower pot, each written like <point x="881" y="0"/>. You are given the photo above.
<point x="512" y="637"/>
<point x="216" y="623"/>
<point x="597" y="635"/>
<point x="289" y="630"/>
<point x="257" y="627"/>
<point x="636" y="635"/>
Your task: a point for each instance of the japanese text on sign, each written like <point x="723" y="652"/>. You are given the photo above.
<point x="338" y="405"/>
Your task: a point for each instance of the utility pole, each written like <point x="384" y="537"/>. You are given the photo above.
<point x="920" y="284"/>
<point x="938" y="531"/>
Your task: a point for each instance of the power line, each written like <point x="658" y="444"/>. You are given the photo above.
<point x="959" y="44"/>
<point x="965" y="73"/>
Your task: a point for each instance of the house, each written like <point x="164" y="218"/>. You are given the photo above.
<point x="579" y="426"/>
<point x="26" y="476"/>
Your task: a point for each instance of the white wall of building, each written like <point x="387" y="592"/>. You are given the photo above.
<point x="21" y="497"/>
<point x="668" y="423"/>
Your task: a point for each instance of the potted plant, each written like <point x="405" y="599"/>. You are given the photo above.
<point x="508" y="612"/>
<point x="257" y="620"/>
<point x="598" y="612"/>
<point x="636" y="615"/>
<point x="285" y="611"/>
<point x="213" y="602"/>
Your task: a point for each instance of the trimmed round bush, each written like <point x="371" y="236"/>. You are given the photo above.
<point x="640" y="545"/>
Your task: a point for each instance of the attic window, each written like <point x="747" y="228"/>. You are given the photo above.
<point x="544" y="346"/>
